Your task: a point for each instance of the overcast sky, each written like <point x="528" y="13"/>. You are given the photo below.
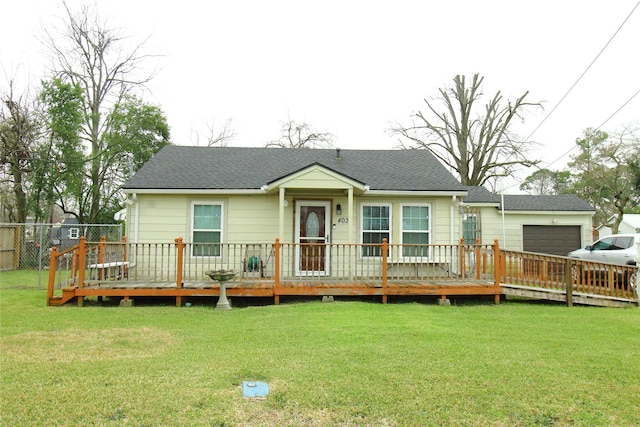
<point x="354" y="68"/>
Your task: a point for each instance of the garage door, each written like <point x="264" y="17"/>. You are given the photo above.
<point x="551" y="239"/>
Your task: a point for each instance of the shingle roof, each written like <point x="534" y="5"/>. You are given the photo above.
<point x="558" y="202"/>
<point x="525" y="202"/>
<point x="181" y="167"/>
<point x="480" y="195"/>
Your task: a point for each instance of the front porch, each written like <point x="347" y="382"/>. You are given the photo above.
<point x="274" y="270"/>
<point x="177" y="270"/>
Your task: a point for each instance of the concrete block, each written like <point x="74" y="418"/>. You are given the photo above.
<point x="445" y="301"/>
<point x="126" y="303"/>
<point x="327" y="298"/>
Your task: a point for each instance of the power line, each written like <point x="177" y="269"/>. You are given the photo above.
<point x="573" y="86"/>
<point x="598" y="128"/>
<point x="585" y="71"/>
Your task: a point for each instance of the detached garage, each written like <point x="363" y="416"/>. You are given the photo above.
<point x="554" y="224"/>
<point x="551" y="239"/>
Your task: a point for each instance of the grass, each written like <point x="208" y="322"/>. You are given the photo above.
<point x="345" y="363"/>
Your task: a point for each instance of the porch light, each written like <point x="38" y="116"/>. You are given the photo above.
<point x="461" y="208"/>
<point x="338" y="209"/>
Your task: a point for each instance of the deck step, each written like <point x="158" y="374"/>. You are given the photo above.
<point x="67" y="295"/>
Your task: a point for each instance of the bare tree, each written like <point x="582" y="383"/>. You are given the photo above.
<point x="479" y="146"/>
<point x="300" y="135"/>
<point x="219" y="136"/>
<point x="86" y="53"/>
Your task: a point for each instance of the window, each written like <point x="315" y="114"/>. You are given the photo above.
<point x="623" y="242"/>
<point x="470" y="228"/>
<point x="605" y="244"/>
<point x="74" y="233"/>
<point x="376" y="225"/>
<point x="206" y="229"/>
<point x="416" y="226"/>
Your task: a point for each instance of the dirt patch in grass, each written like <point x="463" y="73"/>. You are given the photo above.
<point x="279" y="408"/>
<point x="76" y="345"/>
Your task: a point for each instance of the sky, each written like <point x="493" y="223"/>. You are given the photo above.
<point x="355" y="68"/>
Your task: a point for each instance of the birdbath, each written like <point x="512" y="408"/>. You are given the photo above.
<point x="222" y="276"/>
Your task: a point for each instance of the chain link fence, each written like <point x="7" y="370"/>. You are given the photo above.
<point x="28" y="246"/>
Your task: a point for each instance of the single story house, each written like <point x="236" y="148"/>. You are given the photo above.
<point x="253" y="195"/>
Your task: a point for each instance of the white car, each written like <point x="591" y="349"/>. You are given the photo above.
<point x="617" y="249"/>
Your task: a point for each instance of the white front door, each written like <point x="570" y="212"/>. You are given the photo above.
<point x="313" y="224"/>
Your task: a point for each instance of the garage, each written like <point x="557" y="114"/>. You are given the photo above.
<point x="551" y="239"/>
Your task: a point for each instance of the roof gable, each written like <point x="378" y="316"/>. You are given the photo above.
<point x="316" y="176"/>
<point x="242" y="168"/>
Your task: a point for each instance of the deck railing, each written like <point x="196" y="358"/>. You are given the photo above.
<point x="177" y="262"/>
<point x="568" y="275"/>
<point x="280" y="263"/>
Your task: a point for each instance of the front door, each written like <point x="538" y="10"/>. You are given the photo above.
<point x="312" y="235"/>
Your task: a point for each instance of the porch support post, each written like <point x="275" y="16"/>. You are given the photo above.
<point x="350" y="229"/>
<point x="384" y="248"/>
<point x="281" y="202"/>
<point x="461" y="255"/>
<point x="497" y="271"/>
<point x="102" y="249"/>
<point x="180" y="264"/>
<point x="568" y="280"/>
<point x="476" y="259"/>
<point x="82" y="265"/>
<point x="52" y="274"/>
<point x="276" y="272"/>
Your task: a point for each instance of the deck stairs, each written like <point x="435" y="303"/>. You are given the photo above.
<point x="67" y="295"/>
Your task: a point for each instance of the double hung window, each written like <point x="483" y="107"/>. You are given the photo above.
<point x="416" y="230"/>
<point x="206" y="228"/>
<point x="376" y="226"/>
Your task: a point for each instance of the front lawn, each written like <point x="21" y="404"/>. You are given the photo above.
<point x="345" y="363"/>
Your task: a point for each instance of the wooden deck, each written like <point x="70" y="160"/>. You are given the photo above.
<point x="165" y="270"/>
<point x="267" y="289"/>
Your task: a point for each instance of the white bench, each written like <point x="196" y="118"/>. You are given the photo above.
<point x="105" y="270"/>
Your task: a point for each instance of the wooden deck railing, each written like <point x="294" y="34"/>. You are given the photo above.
<point x="281" y="263"/>
<point x="568" y="275"/>
<point x="178" y="262"/>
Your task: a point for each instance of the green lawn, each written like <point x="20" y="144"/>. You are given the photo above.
<point x="347" y="363"/>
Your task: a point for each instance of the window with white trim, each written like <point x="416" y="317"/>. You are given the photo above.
<point x="206" y="228"/>
<point x="74" y="233"/>
<point x="416" y="230"/>
<point x="376" y="226"/>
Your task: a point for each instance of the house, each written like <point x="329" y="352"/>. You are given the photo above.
<point x="249" y="195"/>
<point x="630" y="224"/>
<point x="246" y="195"/>
<point x="551" y="224"/>
<point x="66" y="234"/>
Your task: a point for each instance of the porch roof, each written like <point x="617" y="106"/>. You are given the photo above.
<point x="243" y="168"/>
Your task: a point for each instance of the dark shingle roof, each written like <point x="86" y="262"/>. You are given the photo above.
<point x="525" y="202"/>
<point x="558" y="202"/>
<point x="181" y="167"/>
<point x="480" y="195"/>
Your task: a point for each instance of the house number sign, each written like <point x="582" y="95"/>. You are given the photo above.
<point x="343" y="220"/>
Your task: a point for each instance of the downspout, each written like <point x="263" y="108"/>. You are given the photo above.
<point x="504" y="234"/>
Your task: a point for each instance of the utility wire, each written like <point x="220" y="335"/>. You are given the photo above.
<point x="585" y="71"/>
<point x="574" y="85"/>
<point x="598" y="128"/>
